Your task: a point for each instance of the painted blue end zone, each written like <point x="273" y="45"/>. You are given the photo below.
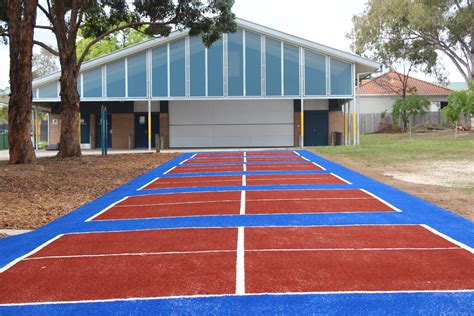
<point x="429" y="303"/>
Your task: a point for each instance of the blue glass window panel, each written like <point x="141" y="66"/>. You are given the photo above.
<point x="341" y="77"/>
<point x="92" y="85"/>
<point x="48" y="91"/>
<point x="136" y="72"/>
<point x="159" y="59"/>
<point x="253" y="67"/>
<point x="215" y="69"/>
<point x="291" y="55"/>
<point x="116" y="79"/>
<point x="273" y="66"/>
<point x="236" y="61"/>
<point x="315" y="73"/>
<point x="177" y="69"/>
<point x="198" y="67"/>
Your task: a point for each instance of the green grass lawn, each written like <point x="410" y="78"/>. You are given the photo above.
<point x="390" y="149"/>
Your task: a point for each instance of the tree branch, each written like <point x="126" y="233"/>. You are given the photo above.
<point x="49" y="49"/>
<point x="44" y="27"/>
<point x="119" y="28"/>
<point x="46" y="12"/>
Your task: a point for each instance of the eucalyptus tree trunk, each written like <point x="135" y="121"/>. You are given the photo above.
<point x="69" y="141"/>
<point x="21" y="22"/>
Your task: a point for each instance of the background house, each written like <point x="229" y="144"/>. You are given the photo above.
<point x="377" y="95"/>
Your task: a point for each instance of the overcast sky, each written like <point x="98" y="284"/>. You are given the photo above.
<point x="321" y="21"/>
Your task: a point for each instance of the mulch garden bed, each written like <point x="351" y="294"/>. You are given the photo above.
<point x="34" y="195"/>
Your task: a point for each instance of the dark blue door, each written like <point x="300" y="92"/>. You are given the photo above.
<point x="141" y="129"/>
<point x="85" y="129"/>
<point x="98" y="129"/>
<point x="316" y="128"/>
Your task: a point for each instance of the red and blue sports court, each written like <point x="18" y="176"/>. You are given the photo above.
<point x="255" y="232"/>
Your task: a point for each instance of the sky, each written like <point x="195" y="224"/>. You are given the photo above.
<point x="322" y="21"/>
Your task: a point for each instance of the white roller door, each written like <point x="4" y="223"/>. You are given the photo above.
<point x="231" y="123"/>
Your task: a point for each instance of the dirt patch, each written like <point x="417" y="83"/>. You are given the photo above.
<point x="33" y="195"/>
<point x="459" y="174"/>
<point x="448" y="197"/>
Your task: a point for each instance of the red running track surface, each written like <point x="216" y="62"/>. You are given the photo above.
<point x="282" y="179"/>
<point x="204" y="181"/>
<point x="353" y="258"/>
<point x="172" y="205"/>
<point x="312" y="201"/>
<point x="201" y="169"/>
<point x="283" y="166"/>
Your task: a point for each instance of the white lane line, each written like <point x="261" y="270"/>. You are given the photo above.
<point x="106" y="209"/>
<point x="147" y="184"/>
<point x="169" y="169"/>
<point x="177" y="203"/>
<point x="242" y="196"/>
<point x="382" y="200"/>
<point x="239" y="242"/>
<point x="12" y="263"/>
<point x="250" y="200"/>
<point x="240" y="265"/>
<point x="132" y="254"/>
<point x="245" y="161"/>
<point x="340" y="178"/>
<point x="352" y="249"/>
<point x="317" y="165"/>
<point x="454" y="241"/>
<point x="148" y="298"/>
<point x="296" y="153"/>
<point x="184" y="161"/>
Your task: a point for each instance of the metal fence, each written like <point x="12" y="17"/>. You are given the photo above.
<point x="3" y="136"/>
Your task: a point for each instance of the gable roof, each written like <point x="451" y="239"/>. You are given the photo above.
<point x="390" y="83"/>
<point x="362" y="64"/>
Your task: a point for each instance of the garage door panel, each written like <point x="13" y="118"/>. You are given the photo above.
<point x="231" y="123"/>
<point x="231" y="135"/>
<point x="189" y="136"/>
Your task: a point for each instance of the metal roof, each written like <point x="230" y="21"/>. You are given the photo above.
<point x="363" y="63"/>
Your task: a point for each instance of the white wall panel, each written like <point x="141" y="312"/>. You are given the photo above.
<point x="231" y="123"/>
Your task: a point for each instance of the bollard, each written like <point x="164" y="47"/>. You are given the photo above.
<point x="157" y="143"/>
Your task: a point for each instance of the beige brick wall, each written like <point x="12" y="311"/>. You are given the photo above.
<point x="54" y="129"/>
<point x="164" y="129"/>
<point x="122" y="129"/>
<point x="336" y="124"/>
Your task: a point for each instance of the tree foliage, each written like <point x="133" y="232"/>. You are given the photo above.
<point x="44" y="63"/>
<point x="459" y="103"/>
<point x="406" y="109"/>
<point x="111" y="43"/>
<point x="397" y="31"/>
<point x="98" y="20"/>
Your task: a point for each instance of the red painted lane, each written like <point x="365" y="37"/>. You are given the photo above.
<point x="173" y="205"/>
<point x="328" y="237"/>
<point x="270" y="153"/>
<point x="114" y="277"/>
<point x="284" y="167"/>
<point x="286" y="158"/>
<point x="312" y="201"/>
<point x="225" y="154"/>
<point x="275" y="179"/>
<point x="329" y="271"/>
<point x="182" y="182"/>
<point x="213" y="160"/>
<point x="196" y="169"/>
<point x="143" y="241"/>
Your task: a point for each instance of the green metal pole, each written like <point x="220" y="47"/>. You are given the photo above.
<point x="102" y="130"/>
